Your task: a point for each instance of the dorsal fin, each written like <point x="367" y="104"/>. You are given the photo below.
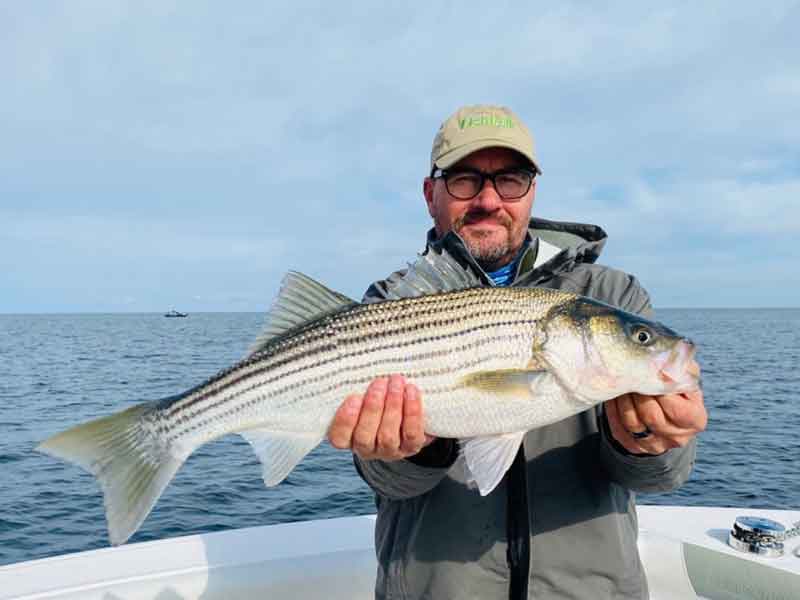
<point x="435" y="271"/>
<point x="300" y="300"/>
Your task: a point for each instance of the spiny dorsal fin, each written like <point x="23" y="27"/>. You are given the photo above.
<point x="300" y="300"/>
<point x="435" y="271"/>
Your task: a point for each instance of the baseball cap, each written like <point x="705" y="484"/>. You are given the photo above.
<point x="479" y="126"/>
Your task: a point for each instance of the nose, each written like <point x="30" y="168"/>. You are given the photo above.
<point x="488" y="199"/>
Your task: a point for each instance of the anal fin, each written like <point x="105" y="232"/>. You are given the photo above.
<point x="279" y="451"/>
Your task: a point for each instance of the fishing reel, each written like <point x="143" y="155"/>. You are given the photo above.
<point x="759" y="535"/>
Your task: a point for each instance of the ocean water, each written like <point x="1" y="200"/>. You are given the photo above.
<point x="59" y="370"/>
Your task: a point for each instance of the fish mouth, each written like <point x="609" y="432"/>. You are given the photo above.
<point x="678" y="368"/>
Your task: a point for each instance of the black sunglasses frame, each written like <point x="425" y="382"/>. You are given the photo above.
<point x="437" y="173"/>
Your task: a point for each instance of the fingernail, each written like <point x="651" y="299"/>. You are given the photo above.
<point x="396" y="383"/>
<point x="354" y="403"/>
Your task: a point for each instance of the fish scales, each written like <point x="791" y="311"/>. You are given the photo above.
<point x="406" y="336"/>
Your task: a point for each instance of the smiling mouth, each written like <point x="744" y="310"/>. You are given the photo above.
<point x="482" y="219"/>
<point x="484" y="225"/>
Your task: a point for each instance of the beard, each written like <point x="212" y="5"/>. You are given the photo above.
<point x="483" y="248"/>
<point x="487" y="253"/>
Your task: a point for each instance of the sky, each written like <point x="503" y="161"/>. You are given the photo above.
<point x="158" y="155"/>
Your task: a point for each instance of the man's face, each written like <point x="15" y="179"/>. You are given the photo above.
<point x="493" y="229"/>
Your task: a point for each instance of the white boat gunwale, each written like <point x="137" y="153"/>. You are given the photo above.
<point x="683" y="550"/>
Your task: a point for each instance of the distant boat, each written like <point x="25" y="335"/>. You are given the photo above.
<point x="175" y="313"/>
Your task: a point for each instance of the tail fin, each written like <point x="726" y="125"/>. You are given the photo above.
<point x="131" y="463"/>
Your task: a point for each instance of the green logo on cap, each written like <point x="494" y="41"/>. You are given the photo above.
<point x="486" y="119"/>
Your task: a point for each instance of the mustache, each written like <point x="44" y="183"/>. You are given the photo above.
<point x="474" y="216"/>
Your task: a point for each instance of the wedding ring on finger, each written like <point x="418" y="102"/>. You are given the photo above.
<point x="640" y="435"/>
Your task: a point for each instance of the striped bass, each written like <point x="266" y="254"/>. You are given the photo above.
<point x="491" y="363"/>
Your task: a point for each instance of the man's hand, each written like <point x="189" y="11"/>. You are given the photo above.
<point x="672" y="421"/>
<point x="385" y="423"/>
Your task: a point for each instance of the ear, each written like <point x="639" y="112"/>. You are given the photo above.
<point x="427" y="191"/>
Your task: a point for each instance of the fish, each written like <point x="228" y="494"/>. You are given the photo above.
<point x="491" y="364"/>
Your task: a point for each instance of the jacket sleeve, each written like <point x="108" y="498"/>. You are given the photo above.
<point x="645" y="473"/>
<point x="640" y="473"/>
<point x="412" y="476"/>
<point x="417" y="474"/>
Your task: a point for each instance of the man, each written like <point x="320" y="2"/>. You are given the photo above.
<point x="562" y="523"/>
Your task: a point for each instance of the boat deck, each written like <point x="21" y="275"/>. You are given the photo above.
<point x="684" y="551"/>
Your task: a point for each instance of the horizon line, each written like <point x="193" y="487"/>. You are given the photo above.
<point x="219" y="312"/>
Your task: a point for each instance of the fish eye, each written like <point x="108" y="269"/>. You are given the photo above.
<point x="642" y="335"/>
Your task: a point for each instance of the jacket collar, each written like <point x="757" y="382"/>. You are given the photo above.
<point x="579" y="243"/>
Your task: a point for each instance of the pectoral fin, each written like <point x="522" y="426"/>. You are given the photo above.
<point x="508" y="382"/>
<point x="488" y="458"/>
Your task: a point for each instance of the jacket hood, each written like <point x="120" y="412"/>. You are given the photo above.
<point x="582" y="241"/>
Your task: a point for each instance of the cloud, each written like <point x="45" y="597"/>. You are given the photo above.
<point x="203" y="138"/>
<point x="723" y="207"/>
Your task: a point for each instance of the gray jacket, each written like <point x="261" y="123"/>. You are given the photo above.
<point x="567" y="504"/>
